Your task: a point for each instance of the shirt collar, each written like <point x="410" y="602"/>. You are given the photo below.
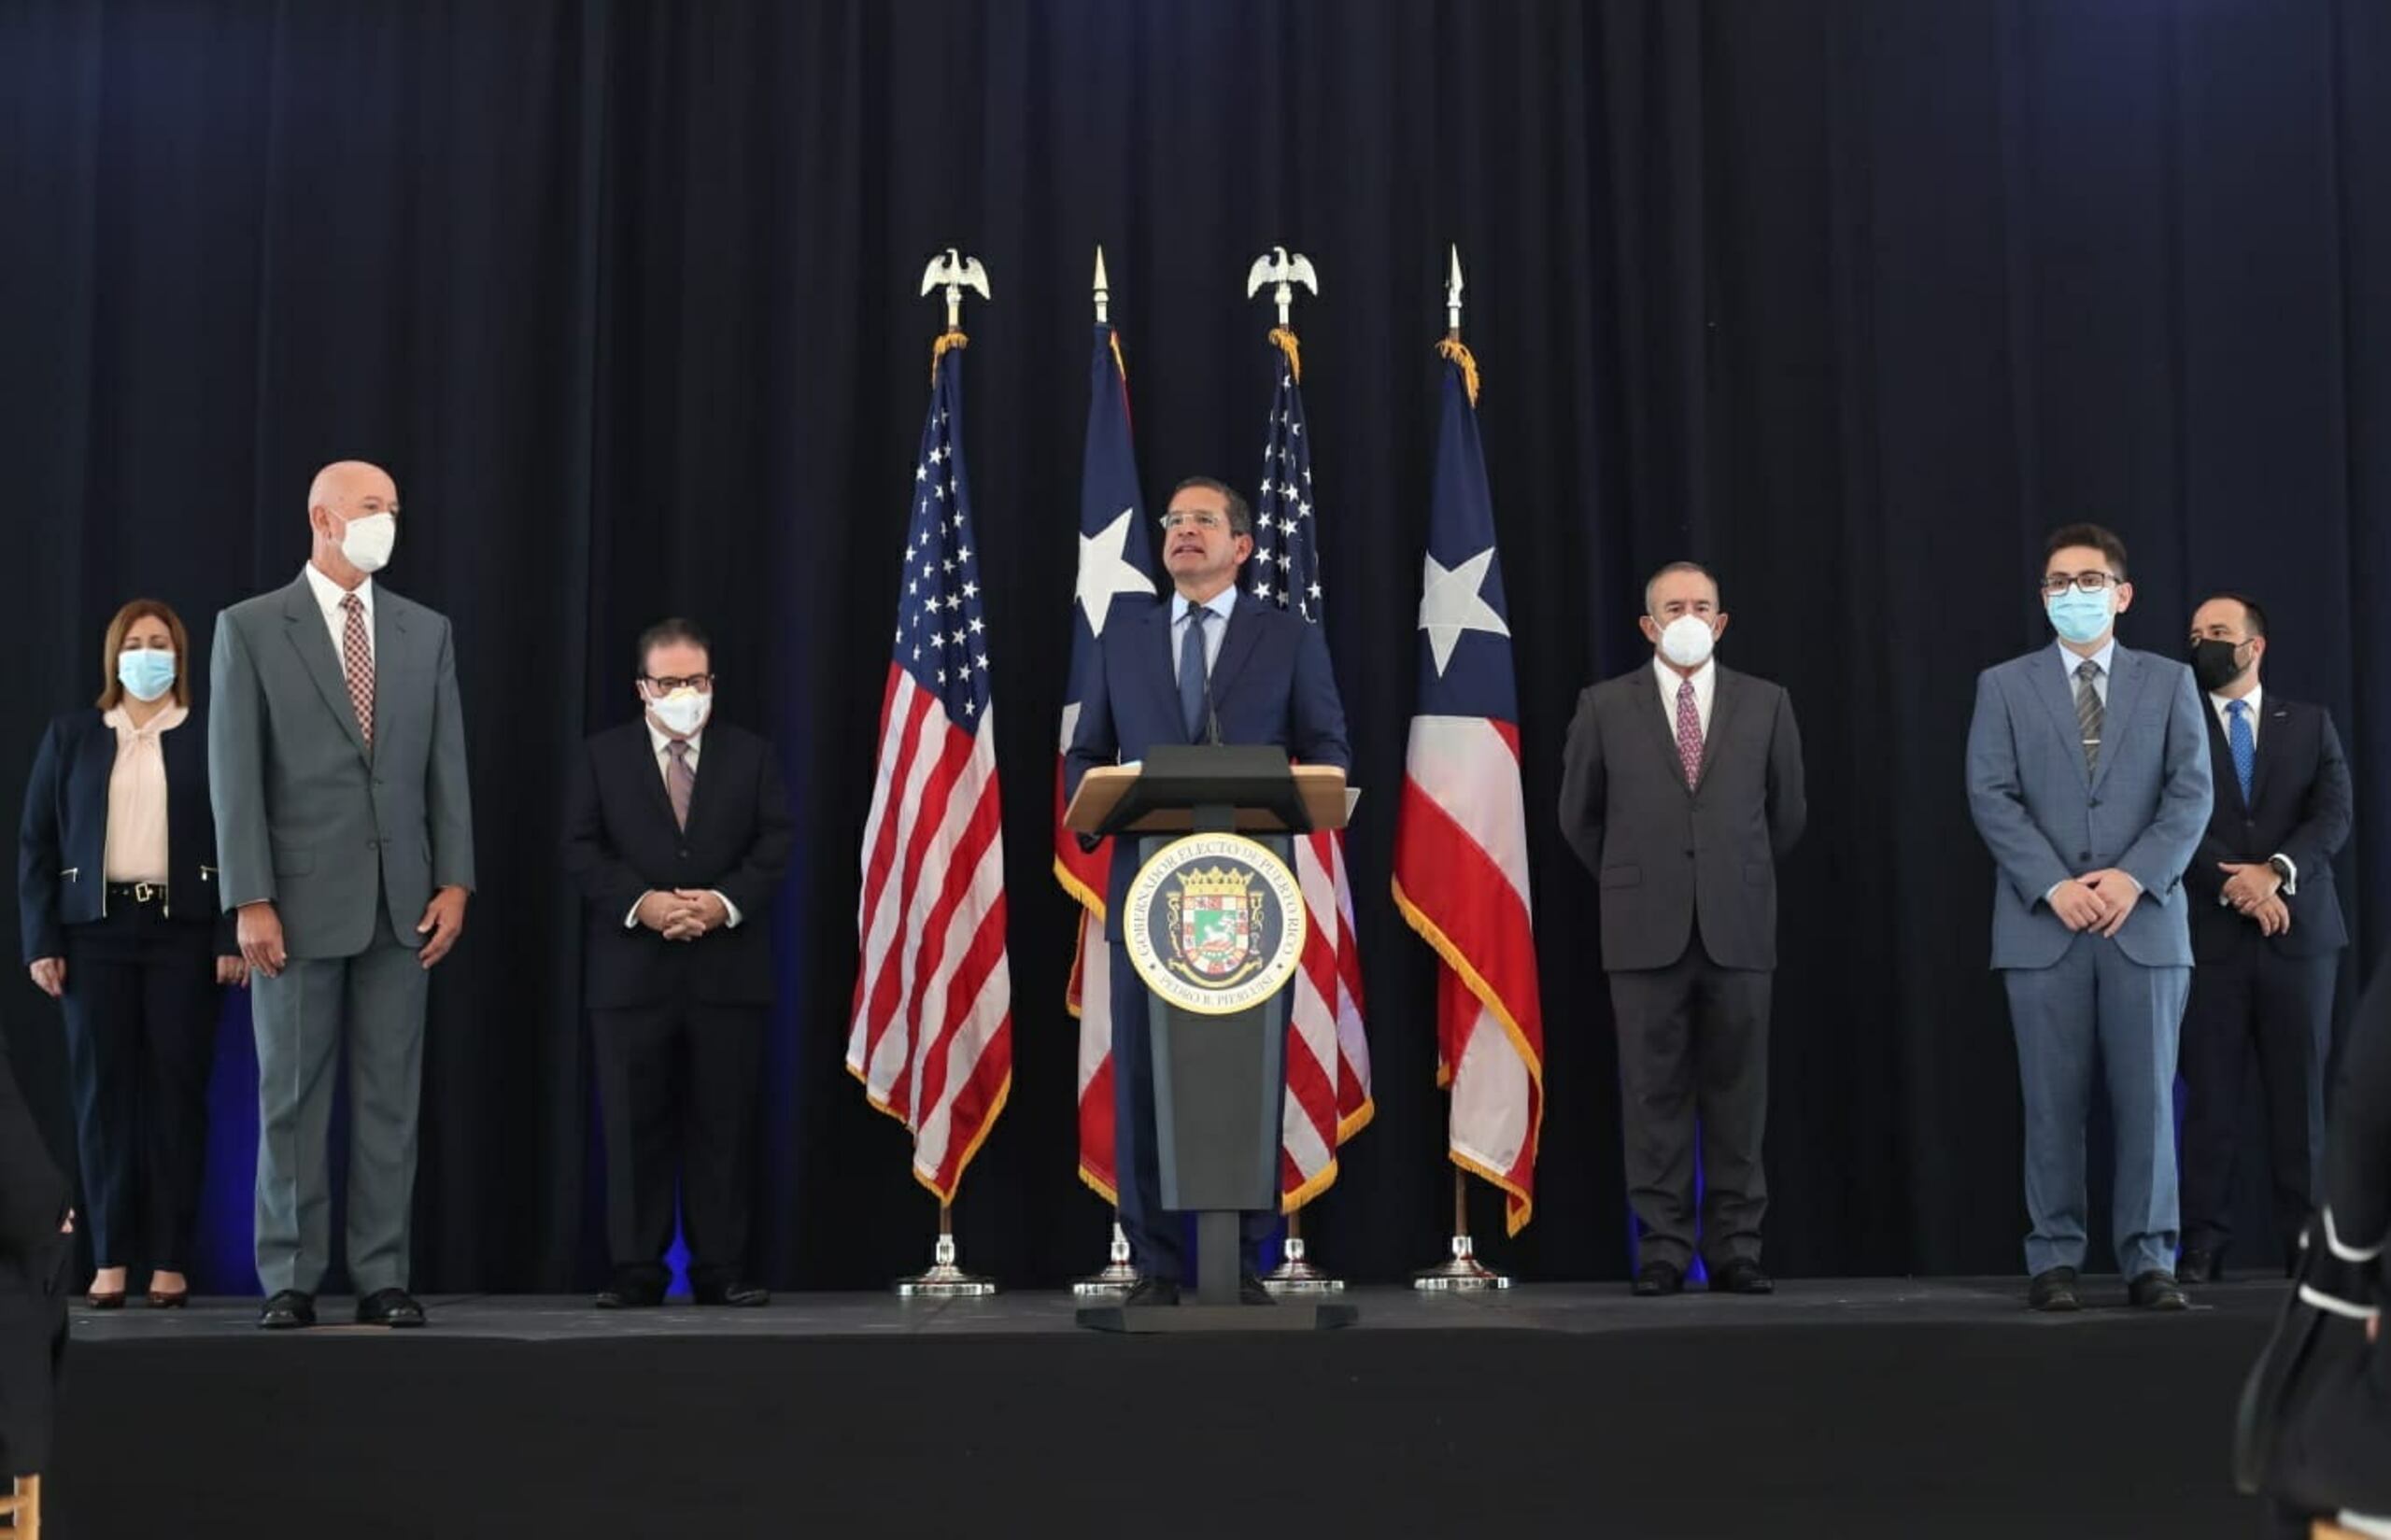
<point x="2106" y="657"/>
<point x="657" y="737"/>
<point x="165" y="721"/>
<point x="328" y="594"/>
<point x="1669" y="677"/>
<point x="1221" y="604"/>
<point x="2224" y="703"/>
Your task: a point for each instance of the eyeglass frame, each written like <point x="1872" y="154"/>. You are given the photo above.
<point x="701" y="682"/>
<point x="2055" y="583"/>
<point x="1201" y="518"/>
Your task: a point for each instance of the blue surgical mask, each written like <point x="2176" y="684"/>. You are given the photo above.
<point x="2081" y="618"/>
<point x="147" y="672"/>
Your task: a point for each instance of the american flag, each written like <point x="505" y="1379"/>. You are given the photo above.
<point x="1115" y="587"/>
<point x="1461" y="843"/>
<point x="1328" y="1050"/>
<point x="931" y="1034"/>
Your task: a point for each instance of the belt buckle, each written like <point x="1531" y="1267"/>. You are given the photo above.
<point x="144" y="892"/>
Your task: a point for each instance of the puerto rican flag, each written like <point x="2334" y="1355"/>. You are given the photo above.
<point x="1461" y="861"/>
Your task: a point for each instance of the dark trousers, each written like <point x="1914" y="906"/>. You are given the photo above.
<point x="33" y="1349"/>
<point x="2283" y="1008"/>
<point x="1693" y="1056"/>
<point x="1156" y="1237"/>
<point x="677" y="1089"/>
<point x="141" y="1004"/>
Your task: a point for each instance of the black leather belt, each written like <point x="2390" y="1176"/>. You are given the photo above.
<point x="137" y="892"/>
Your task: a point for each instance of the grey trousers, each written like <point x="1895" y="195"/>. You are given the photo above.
<point x="373" y="1004"/>
<point x="2097" y="1002"/>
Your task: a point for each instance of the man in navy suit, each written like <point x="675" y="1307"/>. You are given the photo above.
<point x="2088" y="777"/>
<point x="677" y="831"/>
<point x="1212" y="665"/>
<point x="2267" y="931"/>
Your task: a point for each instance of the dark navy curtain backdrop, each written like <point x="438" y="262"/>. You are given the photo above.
<point x="1851" y="298"/>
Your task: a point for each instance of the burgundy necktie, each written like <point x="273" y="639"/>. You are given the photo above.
<point x="357" y="661"/>
<point x="1689" y="732"/>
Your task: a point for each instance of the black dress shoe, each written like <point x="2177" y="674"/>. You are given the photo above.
<point x="1742" y="1276"/>
<point x="2200" y="1264"/>
<point x="393" y="1308"/>
<point x="287" y="1312"/>
<point x="1655" y="1278"/>
<point x="2156" y="1289"/>
<point x="737" y="1292"/>
<point x="1251" y="1289"/>
<point x="630" y="1294"/>
<point x="2054" y="1290"/>
<point x="1152" y="1291"/>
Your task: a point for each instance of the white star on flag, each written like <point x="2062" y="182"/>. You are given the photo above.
<point x="1450" y="603"/>
<point x="1104" y="571"/>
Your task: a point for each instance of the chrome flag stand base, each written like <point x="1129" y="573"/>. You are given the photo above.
<point x="944" y="1279"/>
<point x="1460" y="1274"/>
<point x="1118" y="1276"/>
<point x="1296" y="1276"/>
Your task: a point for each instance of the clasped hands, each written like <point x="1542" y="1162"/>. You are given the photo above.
<point x="2098" y="900"/>
<point x="683" y="915"/>
<point x="2255" y="889"/>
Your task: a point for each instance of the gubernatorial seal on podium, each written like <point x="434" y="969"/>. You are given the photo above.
<point x="1215" y="924"/>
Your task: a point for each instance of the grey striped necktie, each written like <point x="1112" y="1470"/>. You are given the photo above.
<point x="2088" y="712"/>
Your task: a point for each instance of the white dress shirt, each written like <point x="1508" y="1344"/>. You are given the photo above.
<point x="327" y="597"/>
<point x="1221" y="604"/>
<point x="660" y="742"/>
<point x="2223" y="706"/>
<point x="1705" y="689"/>
<point x="135" y="848"/>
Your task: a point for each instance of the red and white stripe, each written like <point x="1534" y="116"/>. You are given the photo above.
<point x="931" y="1033"/>
<point x="1460" y="880"/>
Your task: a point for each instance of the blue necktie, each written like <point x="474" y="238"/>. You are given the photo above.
<point x="2239" y="740"/>
<point x="1192" y="670"/>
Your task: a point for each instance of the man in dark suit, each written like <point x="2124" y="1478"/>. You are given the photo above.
<point x="1212" y="664"/>
<point x="2267" y="934"/>
<point x="1680" y="790"/>
<point x="677" y="831"/>
<point x="34" y="1251"/>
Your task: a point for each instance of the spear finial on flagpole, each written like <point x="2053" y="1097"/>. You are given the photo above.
<point x="1453" y="297"/>
<point x="1103" y="290"/>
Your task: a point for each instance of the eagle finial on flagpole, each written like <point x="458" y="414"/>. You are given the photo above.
<point x="1284" y="269"/>
<point x="956" y="272"/>
<point x="1103" y="290"/>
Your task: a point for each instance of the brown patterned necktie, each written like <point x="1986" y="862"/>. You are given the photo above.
<point x="680" y="780"/>
<point x="357" y="661"/>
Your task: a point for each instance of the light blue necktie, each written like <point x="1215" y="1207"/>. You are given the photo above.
<point x="1192" y="670"/>
<point x="2242" y="744"/>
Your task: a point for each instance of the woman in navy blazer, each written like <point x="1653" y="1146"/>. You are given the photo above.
<point x="116" y="886"/>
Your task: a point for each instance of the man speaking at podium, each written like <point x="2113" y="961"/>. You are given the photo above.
<point x="1213" y="666"/>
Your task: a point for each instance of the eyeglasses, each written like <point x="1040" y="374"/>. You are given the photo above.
<point x="2057" y="583"/>
<point x="1204" y="519"/>
<point x="701" y="682"/>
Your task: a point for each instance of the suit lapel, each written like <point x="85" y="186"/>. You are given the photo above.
<point x="391" y="656"/>
<point x="2269" y="740"/>
<point x="1726" y="694"/>
<point x="304" y="623"/>
<point x="2220" y="756"/>
<point x="1659" y="716"/>
<point x="1237" y="646"/>
<point x="2126" y="677"/>
<point x="641" y="763"/>
<point x="2051" y="683"/>
<point x="1162" y="656"/>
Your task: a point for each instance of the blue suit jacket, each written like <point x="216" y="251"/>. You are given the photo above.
<point x="1271" y="684"/>
<point x="2045" y="820"/>
<point x="62" y="840"/>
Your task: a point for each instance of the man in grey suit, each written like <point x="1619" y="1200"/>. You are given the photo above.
<point x="2088" y="777"/>
<point x="336" y="759"/>
<point x="1681" y="788"/>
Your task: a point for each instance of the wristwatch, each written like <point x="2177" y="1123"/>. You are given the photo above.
<point x="2280" y="867"/>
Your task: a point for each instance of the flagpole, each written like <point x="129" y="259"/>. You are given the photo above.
<point x="1118" y="1275"/>
<point x="1461" y="1272"/>
<point x="944" y="1279"/>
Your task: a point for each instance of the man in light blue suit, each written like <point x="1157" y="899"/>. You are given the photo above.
<point x="2088" y="777"/>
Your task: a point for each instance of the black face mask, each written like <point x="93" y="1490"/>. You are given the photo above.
<point x="2214" y="664"/>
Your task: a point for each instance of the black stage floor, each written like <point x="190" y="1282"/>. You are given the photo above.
<point x="1846" y="1408"/>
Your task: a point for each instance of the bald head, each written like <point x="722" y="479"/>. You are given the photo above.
<point x="344" y="493"/>
<point x="347" y="482"/>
